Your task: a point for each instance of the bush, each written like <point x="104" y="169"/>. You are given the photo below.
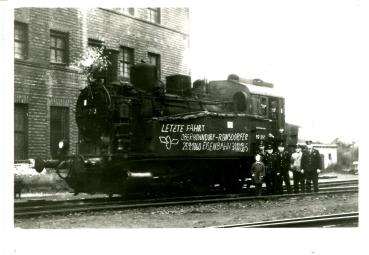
<point x="333" y="167"/>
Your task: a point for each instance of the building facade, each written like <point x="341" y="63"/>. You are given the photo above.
<point x="47" y="41"/>
<point x="328" y="154"/>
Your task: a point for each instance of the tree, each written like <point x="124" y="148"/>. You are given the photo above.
<point x="347" y="153"/>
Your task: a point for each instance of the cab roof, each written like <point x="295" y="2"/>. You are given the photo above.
<point x="260" y="90"/>
<point x="229" y="87"/>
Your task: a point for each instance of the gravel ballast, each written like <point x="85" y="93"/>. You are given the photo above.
<point x="199" y="215"/>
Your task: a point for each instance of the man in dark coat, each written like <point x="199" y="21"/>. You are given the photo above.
<point x="268" y="161"/>
<point x="261" y="149"/>
<point x="282" y="166"/>
<point x="310" y="167"/>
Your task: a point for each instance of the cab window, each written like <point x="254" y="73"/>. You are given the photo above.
<point x="273" y="106"/>
<point x="263" y="110"/>
<point x="254" y="105"/>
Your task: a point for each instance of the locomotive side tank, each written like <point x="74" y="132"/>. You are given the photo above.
<point x="144" y="133"/>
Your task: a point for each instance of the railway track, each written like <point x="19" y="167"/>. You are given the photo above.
<point x="36" y="208"/>
<point x="332" y="220"/>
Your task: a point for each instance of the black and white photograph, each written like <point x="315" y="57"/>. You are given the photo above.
<point x="157" y="116"/>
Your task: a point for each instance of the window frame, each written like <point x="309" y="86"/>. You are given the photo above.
<point x="254" y="103"/>
<point x="274" y="115"/>
<point x="24" y="132"/>
<point x="65" y="50"/>
<point x="129" y="11"/>
<point x="122" y="62"/>
<point x="56" y="113"/>
<point x="266" y="106"/>
<point x="24" y="43"/>
<point x="157" y="64"/>
<point x="94" y="43"/>
<point x="153" y="18"/>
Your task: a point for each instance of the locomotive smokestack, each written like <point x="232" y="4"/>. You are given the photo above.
<point x="233" y="77"/>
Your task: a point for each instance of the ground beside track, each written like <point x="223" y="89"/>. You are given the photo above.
<point x="200" y="215"/>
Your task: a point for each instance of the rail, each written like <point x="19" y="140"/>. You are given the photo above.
<point x="331" y="220"/>
<point x="35" y="208"/>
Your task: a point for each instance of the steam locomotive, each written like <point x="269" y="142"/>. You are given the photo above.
<point x="144" y="134"/>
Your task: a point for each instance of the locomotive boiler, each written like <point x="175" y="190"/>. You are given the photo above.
<point x="143" y="134"/>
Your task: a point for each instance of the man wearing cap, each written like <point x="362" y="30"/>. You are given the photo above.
<point x="268" y="161"/>
<point x="310" y="166"/>
<point x="282" y="166"/>
<point x="298" y="177"/>
<point x="261" y="149"/>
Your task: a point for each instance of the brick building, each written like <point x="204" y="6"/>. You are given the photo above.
<point x="48" y="40"/>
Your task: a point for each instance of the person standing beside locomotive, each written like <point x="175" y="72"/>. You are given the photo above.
<point x="258" y="173"/>
<point x="261" y="150"/>
<point x="282" y="166"/>
<point x="268" y="161"/>
<point x="298" y="176"/>
<point x="310" y="166"/>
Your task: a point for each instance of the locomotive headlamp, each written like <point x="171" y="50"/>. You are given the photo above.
<point x="61" y="144"/>
<point x="63" y="147"/>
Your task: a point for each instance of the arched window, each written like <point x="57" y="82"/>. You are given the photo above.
<point x="240" y="100"/>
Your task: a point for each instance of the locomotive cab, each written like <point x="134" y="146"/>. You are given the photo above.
<point x="256" y="98"/>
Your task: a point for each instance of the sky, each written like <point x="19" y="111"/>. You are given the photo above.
<point x="314" y="52"/>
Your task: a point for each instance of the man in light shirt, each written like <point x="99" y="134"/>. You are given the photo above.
<point x="298" y="175"/>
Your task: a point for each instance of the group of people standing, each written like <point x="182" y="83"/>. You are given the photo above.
<point x="273" y="169"/>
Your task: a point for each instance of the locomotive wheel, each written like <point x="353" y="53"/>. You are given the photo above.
<point x="63" y="170"/>
<point x="73" y="172"/>
<point x="198" y="189"/>
<point x="78" y="166"/>
<point x="197" y="186"/>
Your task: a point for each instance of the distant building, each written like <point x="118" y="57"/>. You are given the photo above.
<point x="328" y="153"/>
<point x="48" y="40"/>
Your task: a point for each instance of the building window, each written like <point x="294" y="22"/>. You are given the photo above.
<point x="129" y="11"/>
<point x="93" y="43"/>
<point x="20" y="131"/>
<point x="329" y="156"/>
<point x="59" y="127"/>
<point x="153" y="15"/>
<point x="20" y="40"/>
<point x="126" y="60"/>
<point x="58" y="47"/>
<point x="154" y="59"/>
